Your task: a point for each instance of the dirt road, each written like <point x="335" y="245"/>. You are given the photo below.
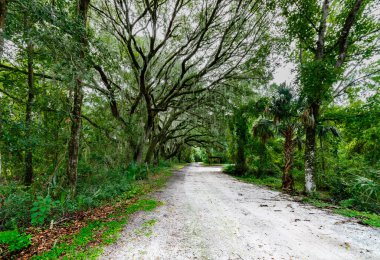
<point x="209" y="215"/>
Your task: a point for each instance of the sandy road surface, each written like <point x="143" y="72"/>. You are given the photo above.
<point x="209" y="215"/>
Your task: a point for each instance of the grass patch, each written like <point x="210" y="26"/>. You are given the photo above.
<point x="317" y="202"/>
<point x="150" y="223"/>
<point x="146" y="228"/>
<point x="272" y="182"/>
<point x="146" y="205"/>
<point x="269" y="181"/>
<point x="367" y="218"/>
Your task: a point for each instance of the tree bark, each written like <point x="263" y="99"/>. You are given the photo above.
<point x="29" y="119"/>
<point x="72" y="165"/>
<point x="150" y="151"/>
<point x="322" y="154"/>
<point x="287" y="177"/>
<point x="310" y="160"/>
<point x="156" y="158"/>
<point x="73" y="149"/>
<point x="310" y="150"/>
<point x="137" y="151"/>
<point x="344" y="35"/>
<point x="149" y="136"/>
<point x="3" y="10"/>
<point x="322" y="31"/>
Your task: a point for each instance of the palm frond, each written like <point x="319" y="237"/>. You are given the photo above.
<point x="263" y="128"/>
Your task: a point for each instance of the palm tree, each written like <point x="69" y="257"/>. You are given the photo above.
<point x="284" y="110"/>
<point x="263" y="128"/>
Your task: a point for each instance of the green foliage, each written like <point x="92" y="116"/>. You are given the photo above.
<point x="19" y="208"/>
<point x="284" y="106"/>
<point x="198" y="155"/>
<point x="41" y="210"/>
<point x="146" y="205"/>
<point x="317" y="77"/>
<point x="366" y="193"/>
<point x="15" y="209"/>
<point x="14" y="240"/>
<point x="272" y="182"/>
<point x="229" y="169"/>
<point x="138" y="171"/>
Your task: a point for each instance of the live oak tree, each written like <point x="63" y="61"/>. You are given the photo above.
<point x="194" y="127"/>
<point x="179" y="48"/>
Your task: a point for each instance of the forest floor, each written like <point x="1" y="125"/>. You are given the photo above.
<point x="207" y="214"/>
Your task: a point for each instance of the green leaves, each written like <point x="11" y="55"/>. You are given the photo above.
<point x="317" y="78"/>
<point x="14" y="240"/>
<point x="41" y="210"/>
<point x="302" y="18"/>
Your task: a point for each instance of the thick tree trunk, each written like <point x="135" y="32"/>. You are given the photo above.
<point x="156" y="158"/>
<point x="310" y="150"/>
<point x="137" y="152"/>
<point x="310" y="160"/>
<point x="150" y="151"/>
<point x="72" y="164"/>
<point x="73" y="149"/>
<point x="149" y="137"/>
<point x="322" y="154"/>
<point x="287" y="177"/>
<point x="29" y="119"/>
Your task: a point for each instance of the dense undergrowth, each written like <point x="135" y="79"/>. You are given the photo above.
<point x="25" y="212"/>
